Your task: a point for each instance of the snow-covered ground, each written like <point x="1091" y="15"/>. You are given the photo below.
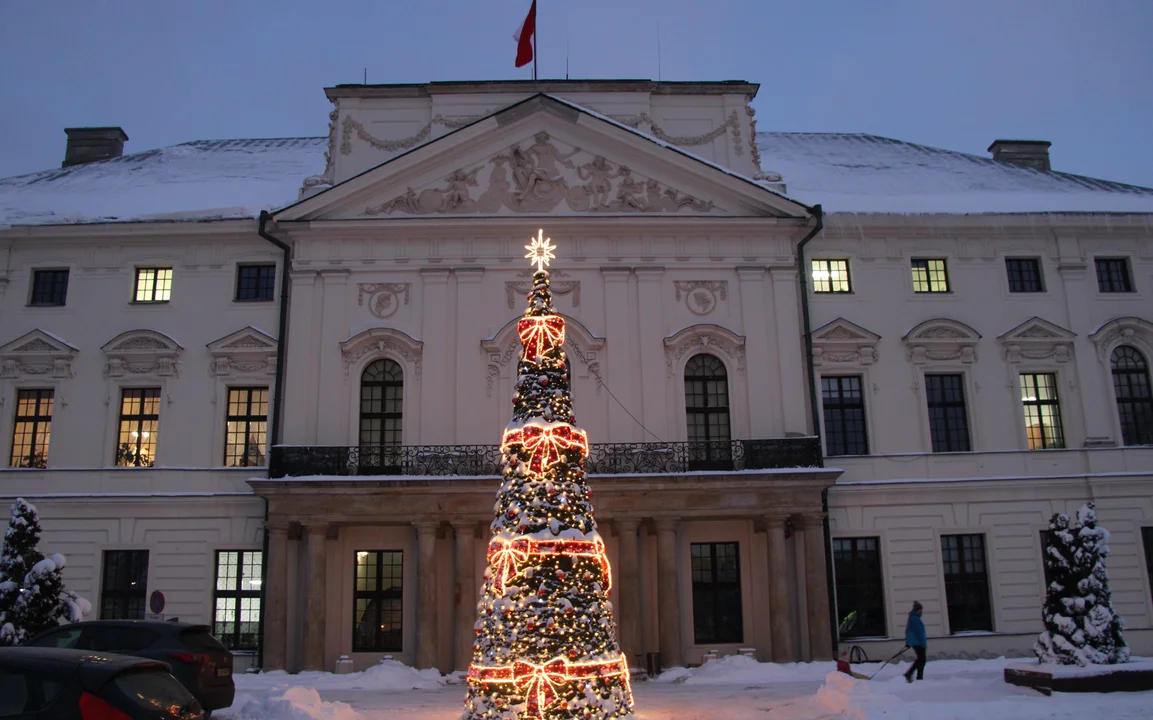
<point x="732" y="688"/>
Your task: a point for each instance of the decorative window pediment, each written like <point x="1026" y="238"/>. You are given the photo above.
<point x="942" y="340"/>
<point x="37" y="353"/>
<point x="142" y="352"/>
<point x="841" y="341"/>
<point x="383" y="342"/>
<point x="706" y="338"/>
<point x="502" y="347"/>
<point x="1123" y="331"/>
<point x="245" y="351"/>
<point x="1037" y="339"/>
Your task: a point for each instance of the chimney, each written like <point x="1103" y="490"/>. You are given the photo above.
<point x="87" y="145"/>
<point x="1026" y="153"/>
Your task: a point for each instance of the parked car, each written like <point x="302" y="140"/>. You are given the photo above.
<point x="196" y="657"/>
<point x="38" y="683"/>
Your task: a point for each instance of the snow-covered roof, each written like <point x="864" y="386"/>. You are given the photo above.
<point x="199" y="180"/>
<point x="858" y="173"/>
<point x="845" y="173"/>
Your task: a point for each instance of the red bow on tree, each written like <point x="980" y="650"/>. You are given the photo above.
<point x="504" y="557"/>
<point x="546" y="443"/>
<point x="539" y="683"/>
<point x="540" y="334"/>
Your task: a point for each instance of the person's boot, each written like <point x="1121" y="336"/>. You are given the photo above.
<point x="909" y="677"/>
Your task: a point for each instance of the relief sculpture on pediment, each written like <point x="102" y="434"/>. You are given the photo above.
<point x="538" y="178"/>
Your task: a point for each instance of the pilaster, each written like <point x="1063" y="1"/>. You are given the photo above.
<point x="276" y="598"/>
<point x="654" y="395"/>
<point x="668" y="592"/>
<point x="764" y="401"/>
<point x="426" y="599"/>
<point x="790" y="350"/>
<point x="619" y="342"/>
<point x="331" y="406"/>
<point x="435" y="399"/>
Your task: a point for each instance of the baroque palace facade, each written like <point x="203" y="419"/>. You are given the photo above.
<point x="821" y="374"/>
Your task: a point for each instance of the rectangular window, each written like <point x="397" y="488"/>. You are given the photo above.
<point x="1042" y="411"/>
<point x="255" y="282"/>
<point x="377" y="601"/>
<point x="717" y="593"/>
<point x="948" y="422"/>
<point x="1147" y="538"/>
<point x="246" y="427"/>
<point x="857" y="570"/>
<point x="139" y="416"/>
<point x="831" y="276"/>
<point x="966" y="583"/>
<point x="49" y="287"/>
<point x="32" y="429"/>
<point x="153" y="285"/>
<point x="1024" y="275"/>
<point x="930" y="276"/>
<point x="1113" y="275"/>
<point x="236" y="619"/>
<point x="125" y="585"/>
<point x="844" y="411"/>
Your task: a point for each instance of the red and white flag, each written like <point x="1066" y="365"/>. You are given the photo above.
<point x="524" y="37"/>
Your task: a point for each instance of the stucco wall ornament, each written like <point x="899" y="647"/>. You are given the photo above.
<point x="142" y="352"/>
<point x="37" y="353"/>
<point x="383" y="342"/>
<point x="1124" y="331"/>
<point x="247" y="350"/>
<point x="1037" y="339"/>
<point x="645" y="124"/>
<point x="383" y="298"/>
<point x="516" y="290"/>
<point x="701" y="296"/>
<point x="758" y="174"/>
<point x="844" y="342"/>
<point x="942" y="340"/>
<point x="710" y="339"/>
<point x="351" y="125"/>
<point x="502" y="347"/>
<point x="326" y="178"/>
<point x="538" y="178"/>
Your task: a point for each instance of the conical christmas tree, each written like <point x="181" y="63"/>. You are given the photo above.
<point x="21" y="553"/>
<point x="546" y="642"/>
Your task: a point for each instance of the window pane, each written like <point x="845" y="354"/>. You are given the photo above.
<point x="125" y="584"/>
<point x="32" y="428"/>
<point x="966" y="583"/>
<point x="1113" y="275"/>
<point x="707" y="413"/>
<point x="49" y="287"/>
<point x="1131" y="388"/>
<point x="139" y="418"/>
<point x="1042" y="411"/>
<point x="844" y="415"/>
<point x="857" y="572"/>
<point x="237" y="598"/>
<point x="930" y="276"/>
<point x="948" y="422"/>
<point x="378" y="595"/>
<point x="246" y="427"/>
<point x="717" y="610"/>
<point x="381" y="411"/>
<point x="1024" y="274"/>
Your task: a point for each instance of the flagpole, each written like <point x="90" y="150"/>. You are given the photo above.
<point x="535" y="32"/>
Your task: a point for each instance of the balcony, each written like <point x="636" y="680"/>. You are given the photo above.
<point x="605" y="458"/>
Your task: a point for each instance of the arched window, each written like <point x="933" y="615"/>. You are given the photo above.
<point x="1134" y="402"/>
<point x="381" y="403"/>
<point x="707" y="412"/>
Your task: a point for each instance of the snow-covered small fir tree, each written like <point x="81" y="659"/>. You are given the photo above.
<point x="32" y="593"/>
<point x="1081" y="627"/>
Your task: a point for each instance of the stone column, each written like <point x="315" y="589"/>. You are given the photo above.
<point x="817" y="585"/>
<point x="668" y="592"/>
<point x="276" y="598"/>
<point x="426" y="635"/>
<point x="466" y="601"/>
<point x="628" y="592"/>
<point x="315" y="609"/>
<point x="780" y="627"/>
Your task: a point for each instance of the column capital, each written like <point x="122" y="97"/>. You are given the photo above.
<point x="626" y="525"/>
<point x="318" y="527"/>
<point x="472" y="527"/>
<point x="468" y="274"/>
<point x="751" y="273"/>
<point x="615" y="274"/>
<point x="667" y="524"/>
<point x="649" y="273"/>
<point x="776" y="521"/>
<point x="434" y="274"/>
<point x="425" y="527"/>
<point x="811" y="519"/>
<point x="277" y="526"/>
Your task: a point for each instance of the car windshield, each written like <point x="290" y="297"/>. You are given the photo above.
<point x="154" y="689"/>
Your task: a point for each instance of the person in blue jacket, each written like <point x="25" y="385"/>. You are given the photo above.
<point x="915" y="638"/>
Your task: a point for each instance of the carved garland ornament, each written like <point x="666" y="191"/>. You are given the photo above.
<point x="37" y="353"/>
<point x="1037" y="339"/>
<point x="1123" y="331"/>
<point x="712" y="339"/>
<point x="383" y="342"/>
<point x="244" y="351"/>
<point x="383" y="298"/>
<point x="701" y="295"/>
<point x="517" y="289"/>
<point x="942" y="340"/>
<point x="841" y="341"/>
<point x="733" y="123"/>
<point x="350" y="125"/>
<point x="142" y="352"/>
<point x="537" y="179"/>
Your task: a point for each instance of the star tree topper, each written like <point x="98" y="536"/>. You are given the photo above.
<point x="540" y="251"/>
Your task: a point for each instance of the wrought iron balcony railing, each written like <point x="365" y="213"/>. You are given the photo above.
<point x="605" y="458"/>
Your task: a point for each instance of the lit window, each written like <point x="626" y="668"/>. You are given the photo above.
<point x="139" y="416"/>
<point x="1042" y="411"/>
<point x="246" y="427"/>
<point x="33" y="428"/>
<point x="236" y="621"/>
<point x="831" y="276"/>
<point x="378" y="597"/>
<point x="930" y="276"/>
<point x="153" y="285"/>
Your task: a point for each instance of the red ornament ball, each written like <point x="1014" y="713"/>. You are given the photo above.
<point x="512" y="513"/>
<point x="530" y="626"/>
<point x="544" y="382"/>
<point x="573" y="653"/>
<point x="542" y="592"/>
<point x="568" y="611"/>
<point x="560" y="574"/>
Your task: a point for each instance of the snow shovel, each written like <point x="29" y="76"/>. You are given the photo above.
<point x="888" y="661"/>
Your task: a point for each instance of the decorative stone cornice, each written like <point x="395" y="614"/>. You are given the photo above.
<point x="142" y="352"/>
<point x="383" y="342"/>
<point x="245" y="351"/>
<point x="1123" y="331"/>
<point x="1037" y="339"/>
<point x="705" y="338"/>
<point x="37" y="353"/>
<point x="942" y="340"/>
<point x="844" y="342"/>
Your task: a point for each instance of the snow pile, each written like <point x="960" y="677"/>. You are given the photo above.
<point x="294" y="703"/>
<point x="852" y="699"/>
<point x="387" y="676"/>
<point x="743" y="670"/>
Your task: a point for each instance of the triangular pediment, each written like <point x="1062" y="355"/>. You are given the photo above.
<point x="247" y="350"/>
<point x="544" y="156"/>
<point x="1037" y="330"/>
<point x="37" y="353"/>
<point x="842" y="330"/>
<point x="37" y="342"/>
<point x="843" y="341"/>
